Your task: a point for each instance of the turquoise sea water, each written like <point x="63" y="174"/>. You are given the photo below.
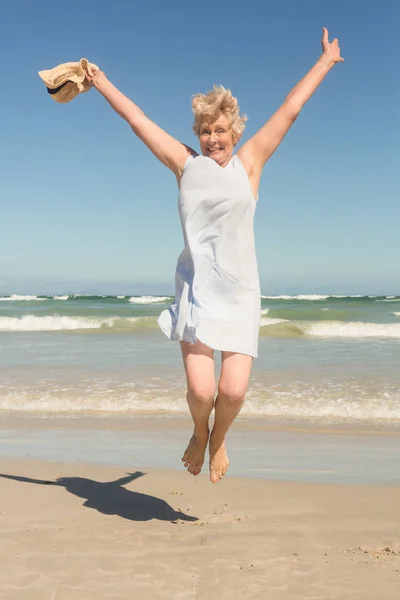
<point x="320" y="357"/>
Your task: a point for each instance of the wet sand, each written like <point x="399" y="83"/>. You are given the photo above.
<point x="317" y="451"/>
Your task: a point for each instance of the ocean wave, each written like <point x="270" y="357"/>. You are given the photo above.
<point x="316" y="297"/>
<point x="339" y="400"/>
<point x="312" y="312"/>
<point x="18" y="298"/>
<point x="85" y="297"/>
<point x="328" y="329"/>
<point x="58" y="323"/>
<point x="160" y="299"/>
<point x="148" y="299"/>
<point x="346" y="401"/>
<point x="300" y="297"/>
<point x="353" y="330"/>
<point x="88" y="296"/>
<point x="269" y="326"/>
<point x="396" y="314"/>
<point x="267" y="321"/>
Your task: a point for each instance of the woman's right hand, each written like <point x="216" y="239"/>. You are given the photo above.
<point x="94" y="76"/>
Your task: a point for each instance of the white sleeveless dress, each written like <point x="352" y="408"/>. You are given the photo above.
<point x="217" y="299"/>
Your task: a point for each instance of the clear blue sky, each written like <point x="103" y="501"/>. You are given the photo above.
<point x="84" y="204"/>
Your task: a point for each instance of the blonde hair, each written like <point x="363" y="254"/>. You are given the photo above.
<point x="219" y="101"/>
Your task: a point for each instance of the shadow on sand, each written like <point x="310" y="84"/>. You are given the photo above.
<point x="111" y="498"/>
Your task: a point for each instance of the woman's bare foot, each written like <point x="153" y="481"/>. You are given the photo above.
<point x="193" y="457"/>
<point x="219" y="461"/>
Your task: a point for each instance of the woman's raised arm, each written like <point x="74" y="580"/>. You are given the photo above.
<point x="256" y="151"/>
<point x="167" y="149"/>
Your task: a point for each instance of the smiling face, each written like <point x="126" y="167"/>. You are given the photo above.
<point x="217" y="140"/>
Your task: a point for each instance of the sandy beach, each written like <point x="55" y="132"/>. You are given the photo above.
<point x="79" y="531"/>
<point x="211" y="230"/>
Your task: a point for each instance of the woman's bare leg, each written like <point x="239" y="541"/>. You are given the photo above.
<point x="198" y="360"/>
<point x="232" y="388"/>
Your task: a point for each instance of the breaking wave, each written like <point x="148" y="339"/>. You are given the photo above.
<point x="58" y="323"/>
<point x="148" y="299"/>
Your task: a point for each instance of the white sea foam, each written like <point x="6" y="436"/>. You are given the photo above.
<point x="396" y="314"/>
<point x="147" y="299"/>
<point x="390" y="299"/>
<point x="87" y="296"/>
<point x="56" y="323"/>
<point x="342" y="401"/>
<point x="339" y="329"/>
<point x="300" y="297"/>
<point x="120" y="297"/>
<point x="265" y="321"/>
<point x="17" y="298"/>
<point x="350" y="330"/>
<point x="335" y="401"/>
<point x="60" y="297"/>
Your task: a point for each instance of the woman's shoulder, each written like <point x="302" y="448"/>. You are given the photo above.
<point x="191" y="153"/>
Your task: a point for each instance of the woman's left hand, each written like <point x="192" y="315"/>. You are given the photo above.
<point x="331" y="49"/>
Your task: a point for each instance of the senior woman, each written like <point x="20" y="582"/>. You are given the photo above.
<point x="217" y="301"/>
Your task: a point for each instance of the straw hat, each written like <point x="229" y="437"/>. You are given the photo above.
<point x="67" y="80"/>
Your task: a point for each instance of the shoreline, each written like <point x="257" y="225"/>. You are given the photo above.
<point x="166" y="420"/>
<point x="271" y="450"/>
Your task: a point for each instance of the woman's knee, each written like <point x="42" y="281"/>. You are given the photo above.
<point x="231" y="392"/>
<point x="203" y="393"/>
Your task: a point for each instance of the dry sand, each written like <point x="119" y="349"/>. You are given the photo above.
<point x="167" y="535"/>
